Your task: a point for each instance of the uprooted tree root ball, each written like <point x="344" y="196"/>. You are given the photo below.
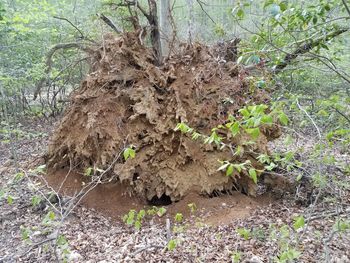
<point x="127" y="100"/>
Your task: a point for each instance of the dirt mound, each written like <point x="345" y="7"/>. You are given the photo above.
<point x="126" y="100"/>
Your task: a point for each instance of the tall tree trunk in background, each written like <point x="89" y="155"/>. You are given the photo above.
<point x="165" y="28"/>
<point x="155" y="35"/>
<point x="190" y="28"/>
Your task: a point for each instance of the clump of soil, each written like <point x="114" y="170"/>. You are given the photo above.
<point x="127" y="100"/>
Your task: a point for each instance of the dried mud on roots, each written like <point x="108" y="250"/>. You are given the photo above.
<point x="127" y="100"/>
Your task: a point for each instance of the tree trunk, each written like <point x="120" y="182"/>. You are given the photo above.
<point x="165" y="28"/>
<point x="155" y="35"/>
<point x="190" y="28"/>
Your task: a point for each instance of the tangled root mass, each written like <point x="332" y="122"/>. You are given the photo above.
<point x="127" y="100"/>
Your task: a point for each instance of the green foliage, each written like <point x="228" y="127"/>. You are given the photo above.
<point x="49" y="218"/>
<point x="299" y="222"/>
<point x="178" y="217"/>
<point x="245" y="233"/>
<point x="135" y="218"/>
<point x="10" y="199"/>
<point x="129" y="152"/>
<point x="35" y="201"/>
<point x="250" y="120"/>
<point x="236" y="257"/>
<point x="172" y="244"/>
<point x="25" y="233"/>
<point x="342" y="225"/>
<point x="288" y="255"/>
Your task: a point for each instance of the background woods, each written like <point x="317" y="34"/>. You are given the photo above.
<point x="180" y="130"/>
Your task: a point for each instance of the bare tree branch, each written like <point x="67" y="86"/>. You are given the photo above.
<point x="49" y="61"/>
<point x="109" y="22"/>
<point x="346" y="6"/>
<point x="65" y="19"/>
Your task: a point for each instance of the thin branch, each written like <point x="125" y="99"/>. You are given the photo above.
<point x="109" y="22"/>
<point x="205" y="12"/>
<point x="346" y="6"/>
<point x="311" y="119"/>
<point x="65" y="19"/>
<point x="342" y="114"/>
<point x="49" y="61"/>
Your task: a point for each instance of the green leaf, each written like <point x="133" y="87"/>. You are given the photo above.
<point x="288" y="140"/>
<point x="240" y="13"/>
<point x="88" y="171"/>
<point x="243" y="232"/>
<point x="253" y="175"/>
<point x="223" y="167"/>
<point x="229" y="170"/>
<point x="267" y="119"/>
<point x="18" y="177"/>
<point x="172" y="244"/>
<point x="41" y="169"/>
<point x="36" y="200"/>
<point x="178" y="217"/>
<point x="283" y="118"/>
<point x="161" y="211"/>
<point x="141" y="214"/>
<point x="137" y="224"/>
<point x="25" y="232"/>
<point x="129" y="153"/>
<point x="61" y="240"/>
<point x="341" y="225"/>
<point x="299" y="177"/>
<point x="182" y="127"/>
<point x="234" y="129"/>
<point x="283" y="6"/>
<point x="244" y="112"/>
<point x="299" y="222"/>
<point x="253" y="132"/>
<point x="10" y="199"/>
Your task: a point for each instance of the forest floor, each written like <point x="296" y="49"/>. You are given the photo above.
<point x="226" y="228"/>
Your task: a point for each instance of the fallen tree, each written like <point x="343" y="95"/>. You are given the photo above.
<point x="128" y="100"/>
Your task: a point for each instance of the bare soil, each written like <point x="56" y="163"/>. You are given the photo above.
<point x="114" y="200"/>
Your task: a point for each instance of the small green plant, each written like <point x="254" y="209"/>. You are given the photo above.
<point x="35" y="201"/>
<point x="172" y="244"/>
<point x="192" y="207"/>
<point x="299" y="222"/>
<point x="135" y="219"/>
<point x="49" y="218"/>
<point x="161" y="211"/>
<point x="18" y="177"/>
<point x="129" y="152"/>
<point x="236" y="257"/>
<point x="10" y="199"/>
<point x="341" y="225"/>
<point x="25" y="233"/>
<point x="244" y="232"/>
<point x="288" y="255"/>
<point x="178" y="217"/>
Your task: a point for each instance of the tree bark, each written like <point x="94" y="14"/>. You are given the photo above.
<point x="155" y="34"/>
<point x="165" y="28"/>
<point x="306" y="47"/>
